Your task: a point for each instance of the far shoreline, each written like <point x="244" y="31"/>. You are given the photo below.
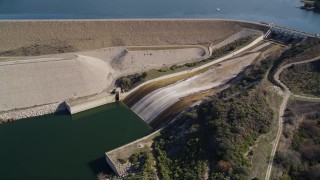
<point x="137" y="19"/>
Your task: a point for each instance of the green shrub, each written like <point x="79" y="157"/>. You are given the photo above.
<point x="317" y="5"/>
<point x="122" y="161"/>
<point x="126" y="83"/>
<point x="144" y="75"/>
<point x="131" y="81"/>
<point x="174" y="67"/>
<point x="163" y="70"/>
<point x="134" y="158"/>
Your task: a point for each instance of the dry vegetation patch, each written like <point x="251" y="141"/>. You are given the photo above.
<point x="298" y="153"/>
<point x="303" y="78"/>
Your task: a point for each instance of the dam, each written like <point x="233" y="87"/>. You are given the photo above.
<point x="85" y="78"/>
<point x="36" y="76"/>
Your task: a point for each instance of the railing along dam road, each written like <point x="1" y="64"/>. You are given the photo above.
<point x="289" y="32"/>
<point x="150" y="106"/>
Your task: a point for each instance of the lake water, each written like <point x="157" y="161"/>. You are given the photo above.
<point x="64" y="146"/>
<point x="282" y="12"/>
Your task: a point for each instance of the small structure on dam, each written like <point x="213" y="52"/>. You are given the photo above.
<point x="286" y="34"/>
<point x="117" y="92"/>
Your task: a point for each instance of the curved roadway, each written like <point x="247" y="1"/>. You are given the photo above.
<point x="286" y="96"/>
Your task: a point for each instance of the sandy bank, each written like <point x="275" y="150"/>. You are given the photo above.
<point x="49" y="37"/>
<point x="128" y="62"/>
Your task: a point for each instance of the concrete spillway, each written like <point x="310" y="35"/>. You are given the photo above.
<point x="149" y="107"/>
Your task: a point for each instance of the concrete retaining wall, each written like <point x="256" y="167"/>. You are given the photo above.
<point x="75" y="106"/>
<point x="111" y="164"/>
<point x="110" y="156"/>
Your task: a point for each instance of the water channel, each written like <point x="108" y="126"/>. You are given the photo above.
<point x="66" y="147"/>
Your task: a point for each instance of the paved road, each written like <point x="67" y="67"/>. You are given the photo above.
<point x="286" y="95"/>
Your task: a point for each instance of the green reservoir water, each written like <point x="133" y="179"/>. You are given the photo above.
<point x="66" y="147"/>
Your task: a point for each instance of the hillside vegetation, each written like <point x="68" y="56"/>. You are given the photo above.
<point x="315" y="4"/>
<point x="307" y="49"/>
<point x="299" y="156"/>
<point x="215" y="135"/>
<point x="303" y="78"/>
<point x="214" y="140"/>
<point x="211" y="140"/>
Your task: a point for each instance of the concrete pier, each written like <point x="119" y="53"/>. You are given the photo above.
<point x="82" y="104"/>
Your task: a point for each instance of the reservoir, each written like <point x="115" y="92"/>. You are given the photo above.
<point x="60" y="146"/>
<point x="282" y="12"/>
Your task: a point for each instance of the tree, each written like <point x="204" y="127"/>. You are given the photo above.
<point x="317" y="5"/>
<point x="144" y="74"/>
<point x="126" y="83"/>
<point x="223" y="166"/>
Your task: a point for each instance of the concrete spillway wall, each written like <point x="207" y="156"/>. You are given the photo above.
<point x="82" y="104"/>
<point x="49" y="37"/>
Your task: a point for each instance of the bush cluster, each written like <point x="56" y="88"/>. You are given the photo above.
<point x="130" y="81"/>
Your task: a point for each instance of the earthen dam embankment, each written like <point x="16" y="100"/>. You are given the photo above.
<point x="49" y="37"/>
<point x="30" y="80"/>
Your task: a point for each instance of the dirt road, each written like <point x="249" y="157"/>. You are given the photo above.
<point x="286" y="95"/>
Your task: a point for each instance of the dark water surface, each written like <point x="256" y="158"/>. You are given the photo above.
<point x="65" y="147"/>
<point x="283" y="12"/>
